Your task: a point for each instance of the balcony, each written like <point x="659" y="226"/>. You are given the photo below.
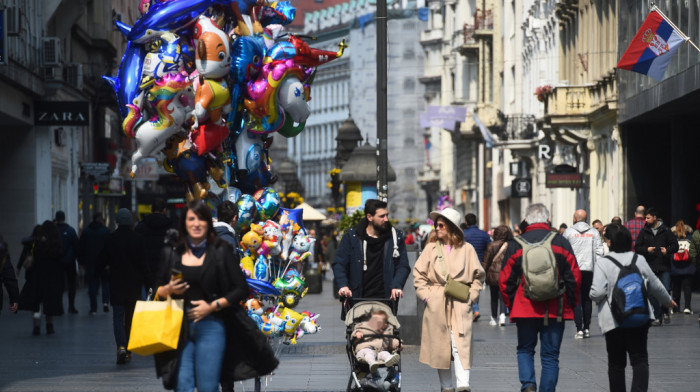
<point x="518" y="127"/>
<point x="430" y="37"/>
<point x="569" y="104"/>
<point x="464" y="40"/>
<point x="483" y="23"/>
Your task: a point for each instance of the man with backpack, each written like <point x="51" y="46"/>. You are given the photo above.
<point x="540" y="283"/>
<point x="587" y="245"/>
<point x="657" y="244"/>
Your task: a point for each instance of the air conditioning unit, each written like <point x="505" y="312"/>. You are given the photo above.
<point x="53" y="74"/>
<point x="74" y="75"/>
<point x="51" y="51"/>
<point x="13" y="20"/>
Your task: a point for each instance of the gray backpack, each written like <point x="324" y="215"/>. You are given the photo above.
<point x="541" y="279"/>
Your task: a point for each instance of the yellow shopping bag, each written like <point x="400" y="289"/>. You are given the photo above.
<point x="156" y="326"/>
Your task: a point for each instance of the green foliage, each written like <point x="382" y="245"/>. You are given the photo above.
<point x="348" y="221"/>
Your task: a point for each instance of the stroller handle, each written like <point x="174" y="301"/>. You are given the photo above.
<point x="349" y="302"/>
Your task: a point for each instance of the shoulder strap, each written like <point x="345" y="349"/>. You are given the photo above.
<point x="617" y="263"/>
<point x="396" y="243"/>
<point x="634" y="260"/>
<point x="441" y="259"/>
<point x="547" y="239"/>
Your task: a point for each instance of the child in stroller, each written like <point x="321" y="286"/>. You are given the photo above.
<point x="373" y="342"/>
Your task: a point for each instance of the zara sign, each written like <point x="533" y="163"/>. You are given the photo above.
<point x="61" y="113"/>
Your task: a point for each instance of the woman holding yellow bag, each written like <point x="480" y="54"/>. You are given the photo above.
<point x="204" y="271"/>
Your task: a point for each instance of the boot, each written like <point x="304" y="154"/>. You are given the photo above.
<point x="49" y="329"/>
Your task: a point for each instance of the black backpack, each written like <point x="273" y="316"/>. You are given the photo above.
<point x="629" y="305"/>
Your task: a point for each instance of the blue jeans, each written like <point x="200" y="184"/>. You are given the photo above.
<point x="94" y="282"/>
<point x="665" y="278"/>
<point x="121" y="321"/>
<point x="550" y="337"/>
<point x="201" y="359"/>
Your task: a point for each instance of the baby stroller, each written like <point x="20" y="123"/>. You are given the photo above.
<point x="361" y="379"/>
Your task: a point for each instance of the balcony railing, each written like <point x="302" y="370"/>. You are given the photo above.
<point x="483" y="19"/>
<point x="518" y="127"/>
<point x="464" y="39"/>
<point x="569" y="101"/>
<point x="430" y="36"/>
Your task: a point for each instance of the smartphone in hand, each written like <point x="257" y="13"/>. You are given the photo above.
<point x="177" y="274"/>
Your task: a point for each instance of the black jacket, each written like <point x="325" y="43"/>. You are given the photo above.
<point x="123" y="254"/>
<point x="70" y="243"/>
<point x="248" y="353"/>
<point x="7" y="276"/>
<point x="153" y="228"/>
<point x="663" y="239"/>
<point x="91" y="243"/>
<point x="348" y="263"/>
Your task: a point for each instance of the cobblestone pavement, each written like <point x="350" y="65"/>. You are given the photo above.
<point x="81" y="356"/>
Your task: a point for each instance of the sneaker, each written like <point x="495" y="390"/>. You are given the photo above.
<point x="586" y="333"/>
<point x="687" y="311"/>
<point x="93" y="313"/>
<point x="476" y="316"/>
<point x="105" y="308"/>
<point x="374" y="366"/>
<point x="493" y="322"/>
<point x="502" y="320"/>
<point x="530" y="388"/>
<point x="49" y="329"/>
<point x="656" y="323"/>
<point x="670" y="311"/>
<point x="128" y="356"/>
<point x="667" y="318"/>
<point x="464" y="389"/>
<point x="579" y="335"/>
<point x="393" y="360"/>
<point x="121" y="356"/>
<point x="73" y="310"/>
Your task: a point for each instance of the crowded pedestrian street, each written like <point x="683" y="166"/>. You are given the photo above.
<point x="80" y="357"/>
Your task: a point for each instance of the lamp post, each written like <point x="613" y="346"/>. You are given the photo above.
<point x="382" y="152"/>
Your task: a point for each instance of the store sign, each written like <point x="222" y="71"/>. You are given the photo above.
<point x="3" y="36"/>
<point x="564" y="180"/>
<point x="100" y="171"/>
<point x="61" y="113"/>
<point x="521" y="187"/>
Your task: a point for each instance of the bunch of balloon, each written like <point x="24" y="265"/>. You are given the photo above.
<point x="204" y="84"/>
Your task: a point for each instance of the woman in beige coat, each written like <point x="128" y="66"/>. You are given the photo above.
<point x="447" y="322"/>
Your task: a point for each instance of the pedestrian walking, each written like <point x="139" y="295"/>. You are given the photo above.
<point x="90" y="247"/>
<point x="153" y="228"/>
<point x="682" y="267"/>
<point x="539" y="318"/>
<point x="43" y="288"/>
<point x="448" y="260"/>
<point x="588" y="247"/>
<point x="636" y="224"/>
<point x="493" y="263"/>
<point x="7" y="277"/>
<point x="479" y="239"/>
<point x="124" y="256"/>
<point x="621" y="342"/>
<point x="598" y="225"/>
<point x="657" y="244"/>
<point x="217" y="341"/>
<point x="226" y="219"/>
<point x="68" y="258"/>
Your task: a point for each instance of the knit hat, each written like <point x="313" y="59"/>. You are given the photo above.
<point x="450" y="215"/>
<point x="124" y="217"/>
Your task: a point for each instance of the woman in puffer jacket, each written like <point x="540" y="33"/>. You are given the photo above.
<point x="493" y="263"/>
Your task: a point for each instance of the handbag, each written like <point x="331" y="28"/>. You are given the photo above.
<point x="454" y="289"/>
<point x="156" y="326"/>
<point x="28" y="262"/>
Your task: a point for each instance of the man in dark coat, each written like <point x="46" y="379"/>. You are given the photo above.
<point x="123" y="255"/>
<point x="657" y="244"/>
<point x="68" y="257"/>
<point x="7" y="277"/>
<point x="91" y="243"/>
<point x="371" y="260"/>
<point x="226" y="219"/>
<point x="153" y="228"/>
<point x="479" y="239"/>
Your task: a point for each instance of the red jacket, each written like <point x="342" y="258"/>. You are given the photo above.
<point x="511" y="276"/>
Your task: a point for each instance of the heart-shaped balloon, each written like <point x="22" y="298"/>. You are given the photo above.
<point x="246" y="212"/>
<point x="268" y="203"/>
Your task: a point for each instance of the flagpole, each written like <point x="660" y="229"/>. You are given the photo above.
<point x="687" y="39"/>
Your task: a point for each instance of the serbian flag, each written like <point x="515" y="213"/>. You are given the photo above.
<point x="652" y="49"/>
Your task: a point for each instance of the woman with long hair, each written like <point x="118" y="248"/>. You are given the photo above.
<point x="206" y="273"/>
<point x="493" y="263"/>
<point x="621" y="342"/>
<point x="43" y="290"/>
<point x="447" y="321"/>
<point x="682" y="267"/>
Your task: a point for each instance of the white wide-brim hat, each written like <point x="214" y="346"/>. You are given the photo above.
<point x="450" y="214"/>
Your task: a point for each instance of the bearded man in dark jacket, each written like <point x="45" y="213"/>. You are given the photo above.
<point x="657" y="244"/>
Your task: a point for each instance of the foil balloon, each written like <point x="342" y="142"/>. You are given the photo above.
<point x="246" y="212"/>
<point x="170" y="97"/>
<point x="268" y="202"/>
<point x="251" y="162"/>
<point x="292" y="218"/>
<point x="262" y="271"/>
<point x="247" y="55"/>
<point x="279" y="12"/>
<point x="231" y="194"/>
<point x="126" y="84"/>
<point x="169" y="55"/>
<point x="262" y="288"/>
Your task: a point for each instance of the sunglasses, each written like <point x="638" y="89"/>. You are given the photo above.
<point x="440" y="225"/>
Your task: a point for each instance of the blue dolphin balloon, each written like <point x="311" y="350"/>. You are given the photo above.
<point x="126" y="84"/>
<point x="279" y="12"/>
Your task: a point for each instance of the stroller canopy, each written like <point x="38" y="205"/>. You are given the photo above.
<point x="363" y="310"/>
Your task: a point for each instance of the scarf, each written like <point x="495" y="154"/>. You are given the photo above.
<point x="197" y="250"/>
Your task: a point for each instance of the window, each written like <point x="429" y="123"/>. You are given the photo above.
<point x="409" y="85"/>
<point x="409" y="54"/>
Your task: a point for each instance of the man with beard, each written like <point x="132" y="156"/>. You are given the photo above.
<point x="371" y="260"/>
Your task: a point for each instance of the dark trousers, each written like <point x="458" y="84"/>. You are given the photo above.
<point x="620" y="342"/>
<point x="70" y="274"/>
<point x="665" y="278"/>
<point x="582" y="311"/>
<point x="496" y="300"/>
<point x="685" y="283"/>
<point x="95" y="280"/>
<point x="121" y="320"/>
